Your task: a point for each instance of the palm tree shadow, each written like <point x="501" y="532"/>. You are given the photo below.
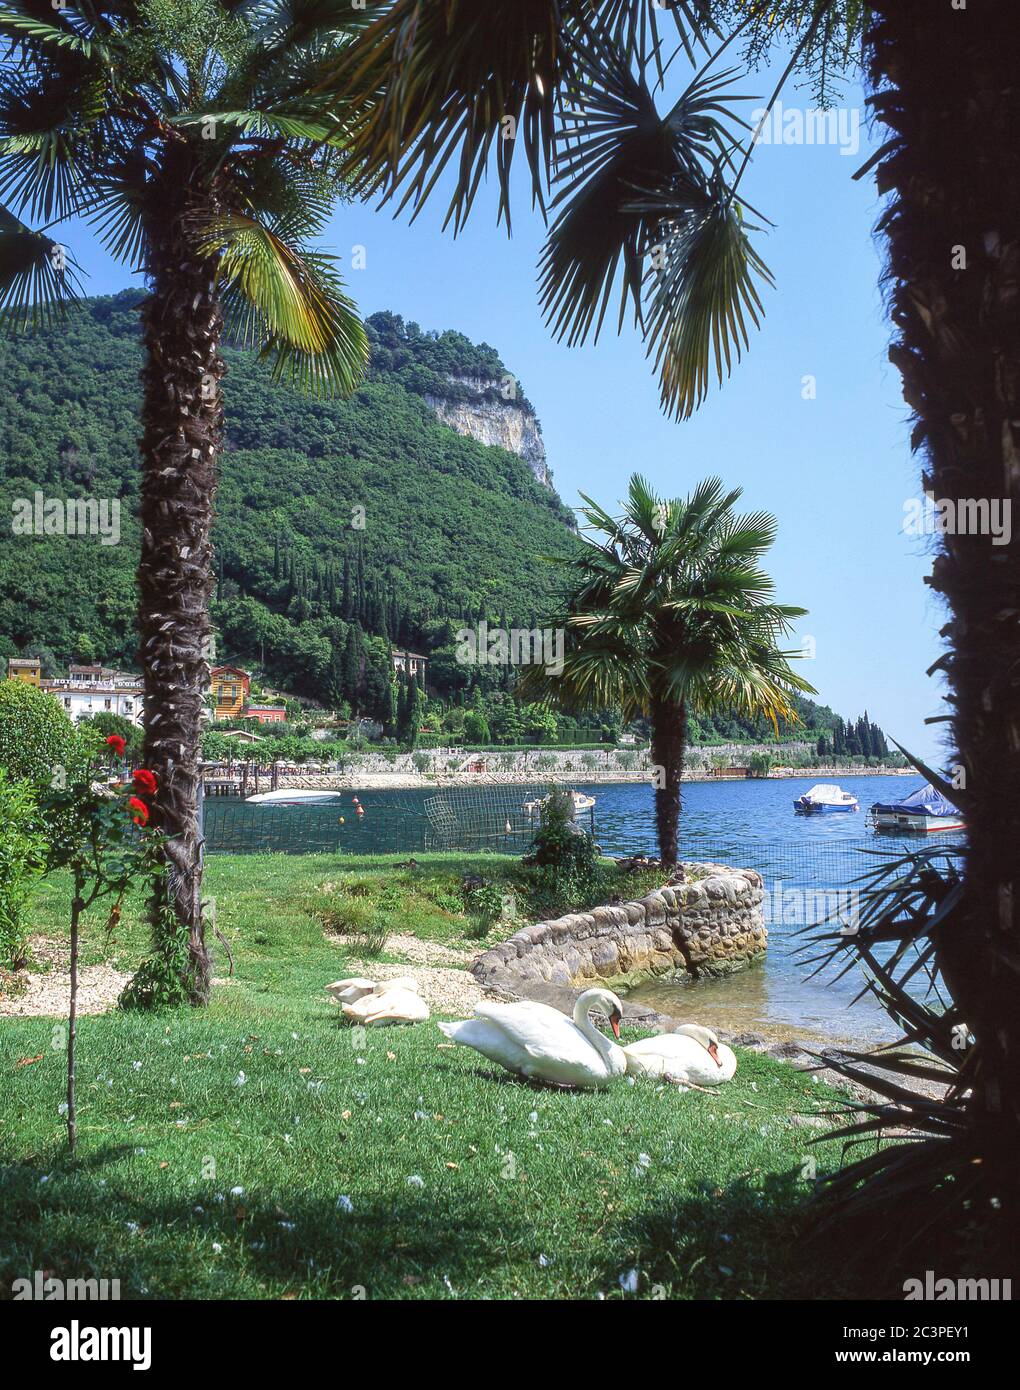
<point x="745" y="1241"/>
<point x="437" y="1243"/>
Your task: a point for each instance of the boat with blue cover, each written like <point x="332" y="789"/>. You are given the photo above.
<point x="924" y="809"/>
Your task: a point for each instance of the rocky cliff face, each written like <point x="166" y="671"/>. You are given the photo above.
<point x="478" y="409"/>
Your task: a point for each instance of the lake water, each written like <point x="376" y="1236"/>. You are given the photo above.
<point x="808" y="864"/>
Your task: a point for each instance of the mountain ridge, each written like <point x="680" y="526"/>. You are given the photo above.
<point x="427" y="523"/>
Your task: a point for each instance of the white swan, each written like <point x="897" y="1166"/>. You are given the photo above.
<point x="692" y="1056"/>
<point x="538" y="1041"/>
<point x="388" y="1004"/>
<point x="348" y="991"/>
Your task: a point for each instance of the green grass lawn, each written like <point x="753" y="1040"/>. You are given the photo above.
<point x="259" y="1148"/>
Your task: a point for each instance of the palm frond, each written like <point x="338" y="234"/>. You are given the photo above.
<point x="428" y="84"/>
<point x="606" y="162"/>
<point x="701" y="294"/>
<point x="290" y="301"/>
<point x="912" y="905"/>
<point x="320" y="129"/>
<point x="17" y="21"/>
<point x="37" y="277"/>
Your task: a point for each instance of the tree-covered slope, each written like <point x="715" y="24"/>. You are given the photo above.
<point x="423" y="524"/>
<point x="342" y="527"/>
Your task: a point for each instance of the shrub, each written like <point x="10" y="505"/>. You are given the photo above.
<point x="476" y="727"/>
<point x="160" y="982"/>
<point x="22" y="851"/>
<point x="484" y="905"/>
<point x="105" y="723"/>
<point x="38" y="743"/>
<point x="566" y="855"/>
<point x="354" y="915"/>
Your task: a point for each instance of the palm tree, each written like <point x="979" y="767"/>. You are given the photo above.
<point x="647" y="206"/>
<point x="669" y="615"/>
<point x="195" y="136"/>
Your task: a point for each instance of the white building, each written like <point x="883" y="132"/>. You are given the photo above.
<point x="81" y="700"/>
<point x="411" y="663"/>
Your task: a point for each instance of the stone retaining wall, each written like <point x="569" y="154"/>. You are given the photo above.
<point x="709" y="926"/>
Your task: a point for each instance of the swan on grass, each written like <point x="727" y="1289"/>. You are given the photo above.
<point x="349" y="991"/>
<point x="346" y="991"/>
<point x="539" y="1042"/>
<point x="692" y="1056"/>
<point x="388" y="1001"/>
<point x="391" y="1005"/>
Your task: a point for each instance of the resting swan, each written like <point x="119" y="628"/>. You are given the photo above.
<point x="348" y="991"/>
<point x="539" y="1042"/>
<point x="692" y="1056"/>
<point x="388" y="1001"/>
<point x="389" y="1005"/>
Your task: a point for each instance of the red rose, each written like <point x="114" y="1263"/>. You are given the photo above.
<point x="141" y="811"/>
<point x="117" y="744"/>
<point x="145" y="780"/>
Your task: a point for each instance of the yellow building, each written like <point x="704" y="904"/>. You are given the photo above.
<point x="24" y="668"/>
<point x="230" y="687"/>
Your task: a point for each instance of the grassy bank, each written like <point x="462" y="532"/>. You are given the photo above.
<point x="260" y="1148"/>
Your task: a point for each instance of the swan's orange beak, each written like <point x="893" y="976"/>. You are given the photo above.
<point x="713" y="1052"/>
<point x="614" y="1023"/>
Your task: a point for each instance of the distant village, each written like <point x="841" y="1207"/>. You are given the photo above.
<point x="88" y="690"/>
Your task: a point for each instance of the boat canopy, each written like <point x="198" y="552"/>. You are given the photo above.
<point x="925" y="801"/>
<point x="825" y="791"/>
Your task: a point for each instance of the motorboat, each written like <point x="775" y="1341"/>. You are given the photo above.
<point x="294" y="796"/>
<point x="826" y="796"/>
<point x="925" y="810"/>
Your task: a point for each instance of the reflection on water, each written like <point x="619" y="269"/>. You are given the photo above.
<point x="765" y="998"/>
<point x="808" y="863"/>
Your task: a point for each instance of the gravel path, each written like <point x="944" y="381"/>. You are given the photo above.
<point x="98" y="989"/>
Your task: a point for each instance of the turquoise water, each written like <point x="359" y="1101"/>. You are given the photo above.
<point x="808" y="864"/>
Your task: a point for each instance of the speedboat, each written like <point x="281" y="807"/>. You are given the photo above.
<point x="294" y="796"/>
<point x="924" y="809"/>
<point x="826" y="796"/>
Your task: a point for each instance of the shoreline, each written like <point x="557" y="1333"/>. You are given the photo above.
<point x="417" y="781"/>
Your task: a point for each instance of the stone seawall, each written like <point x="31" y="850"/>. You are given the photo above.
<point x="708" y="926"/>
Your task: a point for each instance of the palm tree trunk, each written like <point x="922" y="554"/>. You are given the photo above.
<point x="946" y="85"/>
<point x="182" y="416"/>
<point x="669" y="742"/>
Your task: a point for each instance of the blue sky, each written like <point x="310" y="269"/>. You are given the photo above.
<point x="835" y="470"/>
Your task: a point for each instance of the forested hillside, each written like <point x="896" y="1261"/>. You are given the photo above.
<point x="343" y="528"/>
<point x="335" y="519"/>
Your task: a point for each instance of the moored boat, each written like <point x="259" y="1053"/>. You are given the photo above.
<point x="826" y="796"/>
<point x="581" y="802"/>
<point x="294" y="796"/>
<point x="925" y="810"/>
